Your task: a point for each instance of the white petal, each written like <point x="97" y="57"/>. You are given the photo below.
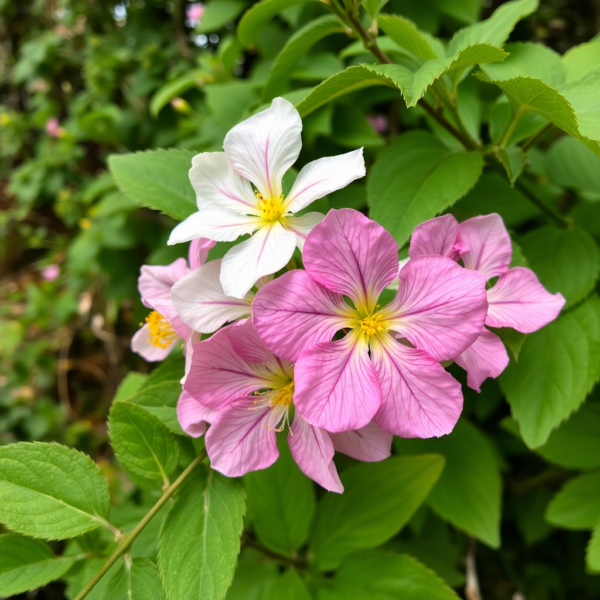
<point x="216" y="224"/>
<point x="267" y="251"/>
<point x="303" y="225"/>
<point x="201" y="302"/>
<point x="263" y="147"/>
<point x="323" y="176"/>
<point x="217" y="185"/>
<point x="140" y="343"/>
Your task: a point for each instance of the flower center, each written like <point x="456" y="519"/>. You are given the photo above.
<point x="162" y="334"/>
<point x="271" y="210"/>
<point x="373" y="324"/>
<point x="284" y="396"/>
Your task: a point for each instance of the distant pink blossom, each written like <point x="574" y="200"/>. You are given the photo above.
<point x="368" y="373"/>
<point x="53" y="129"/>
<point x="517" y="299"/>
<point x="195" y="11"/>
<point x="378" y="122"/>
<point x="50" y="273"/>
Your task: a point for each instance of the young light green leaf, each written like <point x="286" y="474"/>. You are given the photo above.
<point x="51" y="491"/>
<point x="157" y="179"/>
<point x="405" y="33"/>
<point x="496" y="29"/>
<point x="580" y="60"/>
<point x="200" y="538"/>
<point x="27" y="564"/>
<point x="378" y="500"/>
<point x="592" y="554"/>
<point x="161" y="401"/>
<point x="513" y="160"/>
<point x="254" y="19"/>
<point x="130" y="385"/>
<point x="294" y="50"/>
<point x="142" y="443"/>
<point x="138" y="581"/>
<point x="576" y="505"/>
<point x="290" y="586"/>
<point x="385" y="576"/>
<point x="281" y="502"/>
<point x="469" y="490"/>
<point x="557" y="368"/>
<point x="177" y="86"/>
<point x="584" y="96"/>
<point x="218" y="14"/>
<point x="576" y="443"/>
<point x="566" y="261"/>
<point x="415" y="178"/>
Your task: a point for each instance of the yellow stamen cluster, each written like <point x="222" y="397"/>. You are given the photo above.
<point x="373" y="324"/>
<point x="284" y="396"/>
<point x="162" y="334"/>
<point x="270" y="209"/>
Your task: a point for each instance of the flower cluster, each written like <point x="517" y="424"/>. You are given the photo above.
<point x="315" y="351"/>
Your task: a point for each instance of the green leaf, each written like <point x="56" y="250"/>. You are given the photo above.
<point x="513" y="160"/>
<point x="576" y="505"/>
<point x="218" y="13"/>
<point x="255" y="19"/>
<point x="200" y="538"/>
<point x="294" y="50"/>
<point x="438" y="178"/>
<point x="161" y="401"/>
<point x="254" y="577"/>
<point x="373" y="7"/>
<point x="592" y="554"/>
<point x="290" y="586"/>
<point x="139" y="581"/>
<point x="51" y="491"/>
<point x="494" y="30"/>
<point x="572" y="165"/>
<point x="557" y="368"/>
<point x="584" y="96"/>
<point x="169" y="370"/>
<point x="378" y="500"/>
<point x="466" y="11"/>
<point x="177" y="86"/>
<point x="512" y="339"/>
<point x="142" y="443"/>
<point x="351" y="128"/>
<point x="405" y="33"/>
<point x="469" y="491"/>
<point x="157" y="179"/>
<point x="130" y="385"/>
<point x="576" y="443"/>
<point x="281" y="502"/>
<point x="27" y="564"/>
<point x="580" y="60"/>
<point x="566" y="261"/>
<point x="375" y="574"/>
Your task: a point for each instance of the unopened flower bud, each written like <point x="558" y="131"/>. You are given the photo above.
<point x="180" y="105"/>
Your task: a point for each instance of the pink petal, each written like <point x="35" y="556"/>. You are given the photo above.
<point x="247" y="343"/>
<point x="440" y="307"/>
<point x="520" y="301"/>
<point x="418" y="397"/>
<point x="351" y="255"/>
<point x="201" y="302"/>
<point x="294" y="312"/>
<point x="436" y="236"/>
<point x="141" y="344"/>
<point x="198" y="251"/>
<point x="336" y="384"/>
<point x="240" y="439"/>
<point x="313" y="452"/>
<point x="485" y="358"/>
<point x="490" y="248"/>
<point x="369" y="444"/>
<point x="218" y="374"/>
<point x="156" y="281"/>
<point x="193" y="416"/>
<point x="167" y="310"/>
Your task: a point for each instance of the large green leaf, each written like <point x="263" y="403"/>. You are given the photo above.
<point x="254" y="577"/>
<point x="558" y="366"/>
<point x="576" y="443"/>
<point x="142" y="443"/>
<point x="566" y="261"/>
<point x="577" y="505"/>
<point x="138" y="581"/>
<point x="26" y="564"/>
<point x="51" y="491"/>
<point x="157" y="179"/>
<point x="281" y="502"/>
<point x="290" y="586"/>
<point x="405" y="33"/>
<point x="295" y="48"/>
<point x="584" y="96"/>
<point x="582" y="59"/>
<point x="169" y="370"/>
<point x="379" y="575"/>
<point x="130" y="385"/>
<point x="200" y="538"/>
<point x="416" y="178"/>
<point x="161" y="401"/>
<point x="469" y="490"/>
<point x="378" y="500"/>
<point x="592" y="554"/>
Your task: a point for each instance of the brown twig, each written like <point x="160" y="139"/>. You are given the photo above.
<point x="472" y="591"/>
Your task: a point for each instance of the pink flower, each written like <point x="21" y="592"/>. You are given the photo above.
<point x="50" y="273"/>
<point x="342" y="384"/>
<point x="378" y="122"/>
<point x="253" y="390"/>
<point x="517" y="300"/>
<point x="53" y="129"/>
<point x="195" y="11"/>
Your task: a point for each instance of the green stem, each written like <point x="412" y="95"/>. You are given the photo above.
<point x="553" y="215"/>
<point x="298" y="562"/>
<point x="129" y="538"/>
<point x="511" y="128"/>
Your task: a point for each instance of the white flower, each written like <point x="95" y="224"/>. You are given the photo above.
<point x="258" y="152"/>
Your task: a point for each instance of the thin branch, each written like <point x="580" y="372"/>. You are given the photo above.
<point x="297" y="562"/>
<point x="535" y="138"/>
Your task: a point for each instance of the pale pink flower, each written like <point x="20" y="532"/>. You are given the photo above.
<point x="50" y="273"/>
<point x="195" y="11"/>
<point x="258" y="152"/>
<point x="516" y="300"/>
<point x="342" y="384"/>
<point x="253" y="391"/>
<point x="53" y="129"/>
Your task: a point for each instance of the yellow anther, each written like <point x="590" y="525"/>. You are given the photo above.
<point x="284" y="396"/>
<point x="161" y="333"/>
<point x="271" y="210"/>
<point x="373" y="324"/>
